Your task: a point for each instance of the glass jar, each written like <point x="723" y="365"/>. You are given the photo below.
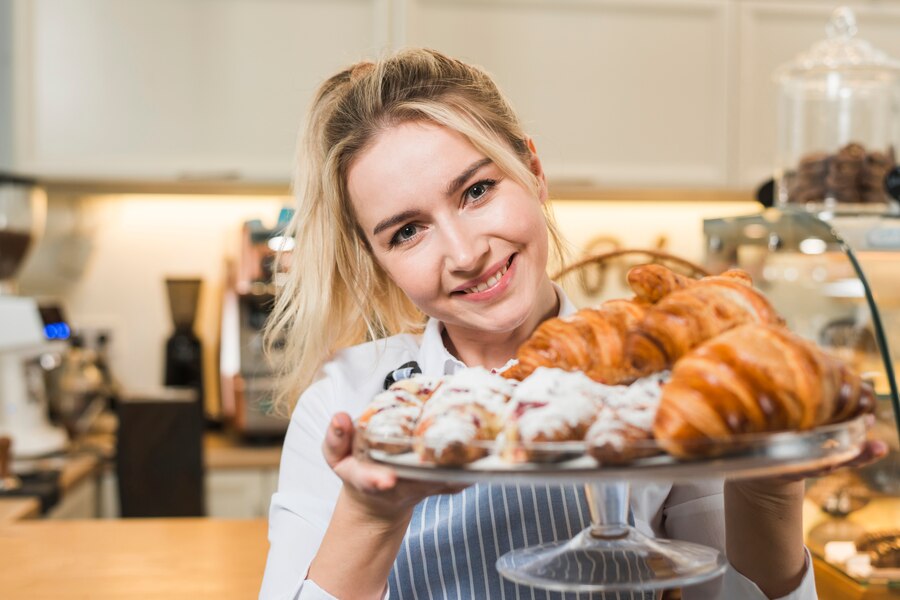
<point x="838" y="123"/>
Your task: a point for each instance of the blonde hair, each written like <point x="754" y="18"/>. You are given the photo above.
<point x="335" y="294"/>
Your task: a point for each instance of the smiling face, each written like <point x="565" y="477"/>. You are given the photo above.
<point x="467" y="243"/>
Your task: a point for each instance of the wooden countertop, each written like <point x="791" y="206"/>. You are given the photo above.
<point x="13" y="509"/>
<point x="73" y="470"/>
<point x="221" y="451"/>
<point x="133" y="558"/>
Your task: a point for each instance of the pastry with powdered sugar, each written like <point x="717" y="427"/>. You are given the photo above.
<point x="550" y="405"/>
<point x="391" y="417"/>
<point x="623" y="429"/>
<point x="462" y="416"/>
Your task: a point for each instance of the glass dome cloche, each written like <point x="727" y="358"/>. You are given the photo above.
<point x="838" y="123"/>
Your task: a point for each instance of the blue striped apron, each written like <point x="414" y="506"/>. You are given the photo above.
<point x="454" y="541"/>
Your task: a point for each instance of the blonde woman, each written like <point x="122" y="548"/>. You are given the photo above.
<point x="421" y="224"/>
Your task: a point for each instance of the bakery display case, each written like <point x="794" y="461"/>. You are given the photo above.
<point x="833" y="275"/>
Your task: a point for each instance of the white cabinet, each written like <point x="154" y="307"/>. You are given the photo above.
<point x="674" y="93"/>
<point x="614" y="93"/>
<point x="240" y="493"/>
<point x="81" y="501"/>
<point x="169" y="89"/>
<point x="230" y="493"/>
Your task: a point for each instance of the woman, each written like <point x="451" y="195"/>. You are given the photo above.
<point x="423" y="197"/>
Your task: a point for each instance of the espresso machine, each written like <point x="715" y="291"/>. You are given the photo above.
<point x="23" y="394"/>
<point x="247" y="378"/>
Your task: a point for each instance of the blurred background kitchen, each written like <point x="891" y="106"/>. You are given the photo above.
<point x="147" y="148"/>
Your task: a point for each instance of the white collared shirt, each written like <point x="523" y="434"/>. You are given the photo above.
<point x="308" y="489"/>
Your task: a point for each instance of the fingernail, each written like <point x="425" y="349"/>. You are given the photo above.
<point x="336" y="428"/>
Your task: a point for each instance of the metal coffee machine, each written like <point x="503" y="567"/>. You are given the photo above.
<point x="247" y="376"/>
<point x="23" y="394"/>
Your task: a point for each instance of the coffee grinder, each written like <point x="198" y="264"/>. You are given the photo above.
<point x="184" y="352"/>
<point x="23" y="395"/>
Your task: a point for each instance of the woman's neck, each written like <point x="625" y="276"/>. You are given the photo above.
<point x="494" y="349"/>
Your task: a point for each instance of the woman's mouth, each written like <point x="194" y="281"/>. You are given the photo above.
<point x="491" y="282"/>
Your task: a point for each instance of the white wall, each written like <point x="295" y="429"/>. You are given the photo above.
<point x="637" y="225"/>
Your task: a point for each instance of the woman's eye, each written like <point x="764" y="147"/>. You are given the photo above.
<point x="404" y="234"/>
<point x="480" y="189"/>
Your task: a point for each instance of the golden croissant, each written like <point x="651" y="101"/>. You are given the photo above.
<point x="754" y="378"/>
<point x="687" y="317"/>
<point x="592" y="340"/>
<point x="651" y="282"/>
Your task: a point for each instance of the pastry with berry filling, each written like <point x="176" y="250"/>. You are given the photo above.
<point x="623" y="429"/>
<point x="390" y="419"/>
<point x="550" y="405"/>
<point x="462" y="417"/>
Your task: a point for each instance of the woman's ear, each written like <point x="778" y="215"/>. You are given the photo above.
<point x="538" y="169"/>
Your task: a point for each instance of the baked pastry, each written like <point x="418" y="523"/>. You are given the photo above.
<point x="391" y="416"/>
<point x="591" y="341"/>
<point x="623" y="428"/>
<point x="421" y="386"/>
<point x="455" y="437"/>
<point x="462" y="414"/>
<point x="651" y="282"/>
<point x="551" y="405"/>
<point x="390" y="420"/>
<point x="755" y="378"/>
<point x="688" y="317"/>
<point x="883" y="548"/>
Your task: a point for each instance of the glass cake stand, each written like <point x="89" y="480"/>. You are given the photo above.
<point x="611" y="554"/>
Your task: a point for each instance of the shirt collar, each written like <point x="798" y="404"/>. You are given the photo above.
<point x="434" y="358"/>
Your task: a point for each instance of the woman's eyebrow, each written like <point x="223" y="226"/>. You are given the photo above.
<point x="464" y="176"/>
<point x="397" y="219"/>
<point x="454" y="185"/>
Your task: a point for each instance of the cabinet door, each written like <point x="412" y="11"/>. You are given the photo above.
<point x="614" y="93"/>
<point x="774" y="33"/>
<point x="209" y="89"/>
<point x="235" y="493"/>
<point x="78" y="502"/>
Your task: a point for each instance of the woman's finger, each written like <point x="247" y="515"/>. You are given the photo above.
<point x="338" y="439"/>
<point x="872" y="451"/>
<point x="365" y="476"/>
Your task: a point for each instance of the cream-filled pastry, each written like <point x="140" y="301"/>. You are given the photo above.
<point x="623" y="429"/>
<point x="550" y="405"/>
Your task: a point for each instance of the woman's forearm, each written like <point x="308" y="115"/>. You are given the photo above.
<point x="357" y="552"/>
<point x="764" y="533"/>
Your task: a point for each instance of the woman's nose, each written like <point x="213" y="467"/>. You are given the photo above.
<point x="466" y="247"/>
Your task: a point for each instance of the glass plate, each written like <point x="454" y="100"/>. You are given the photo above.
<point x="745" y="456"/>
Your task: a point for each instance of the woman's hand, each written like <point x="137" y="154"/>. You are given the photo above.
<point x="871" y="452"/>
<point x="373" y="489"/>
<point x="763" y="520"/>
<point x="369" y="520"/>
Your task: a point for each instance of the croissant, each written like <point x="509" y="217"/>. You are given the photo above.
<point x="591" y="340"/>
<point x="651" y="283"/>
<point x="686" y="318"/>
<point x="754" y="378"/>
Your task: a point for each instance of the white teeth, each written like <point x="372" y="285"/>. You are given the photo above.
<point x="491" y="282"/>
